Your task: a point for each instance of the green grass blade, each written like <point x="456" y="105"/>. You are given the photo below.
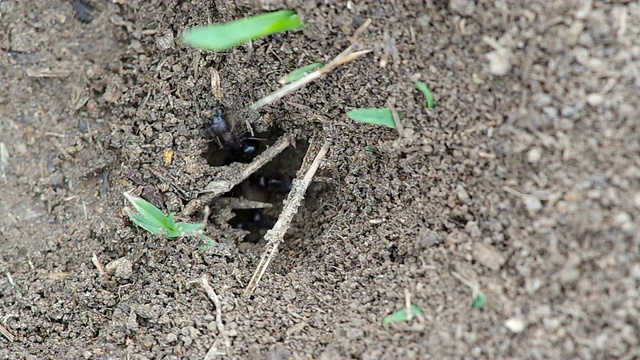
<point x="428" y="96"/>
<point x="373" y="116"/>
<point x="228" y="35"/>
<point x="299" y="73"/>
<point x="148" y="225"/>
<point x="171" y="223"/>
<point x="183" y="229"/>
<point x="402" y="315"/>
<point x="478" y="301"/>
<point x="148" y="211"/>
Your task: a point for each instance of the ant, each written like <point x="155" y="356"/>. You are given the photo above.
<point x="255" y="221"/>
<point x="251" y="220"/>
<point x="238" y="149"/>
<point x="276" y="184"/>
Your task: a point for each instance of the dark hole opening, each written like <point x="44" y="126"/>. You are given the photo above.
<point x="270" y="184"/>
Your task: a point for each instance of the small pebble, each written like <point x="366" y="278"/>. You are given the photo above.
<point x="165" y="41"/>
<point x="595" y="100"/>
<point x="171" y="338"/>
<point x="534" y="155"/>
<point x="516" y="325"/>
<point x="569" y="275"/>
<point x="123" y="268"/>
<point x="488" y="256"/>
<point x="463" y="7"/>
<point x="532" y="204"/>
<point x="132" y="322"/>
<point x="499" y="64"/>
<point x="463" y="195"/>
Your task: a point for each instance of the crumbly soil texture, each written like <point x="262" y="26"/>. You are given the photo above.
<point x="521" y="184"/>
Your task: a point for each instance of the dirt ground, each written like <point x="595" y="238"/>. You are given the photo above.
<point x="523" y="181"/>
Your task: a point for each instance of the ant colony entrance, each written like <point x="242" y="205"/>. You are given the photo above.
<point x="257" y="201"/>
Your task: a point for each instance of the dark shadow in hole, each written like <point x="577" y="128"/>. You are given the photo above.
<point x="269" y="184"/>
<point x="230" y="142"/>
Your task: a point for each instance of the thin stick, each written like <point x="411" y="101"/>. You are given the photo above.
<point x="344" y="57"/>
<point x="359" y="31"/>
<point x="407" y="304"/>
<point x="205" y="216"/>
<point x="219" y="187"/>
<point x="216" y="302"/>
<point x="96" y="262"/>
<point x="396" y="118"/>
<point x="242" y="203"/>
<point x="474" y="286"/>
<point x="4" y="161"/>
<point x="275" y="236"/>
<point x="7" y="334"/>
<point x="522" y="195"/>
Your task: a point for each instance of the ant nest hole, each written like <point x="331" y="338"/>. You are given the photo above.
<point x="258" y="199"/>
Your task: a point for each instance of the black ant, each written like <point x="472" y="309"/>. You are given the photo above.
<point x="251" y="220"/>
<point x="238" y="149"/>
<point x="258" y="188"/>
<point x="254" y="221"/>
<point x="272" y="184"/>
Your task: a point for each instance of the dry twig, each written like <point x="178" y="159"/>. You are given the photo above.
<point x="396" y="119"/>
<point x="359" y="31"/>
<point x="213" y="351"/>
<point x="96" y="262"/>
<point x="7" y="334"/>
<point x="274" y="236"/>
<point x="242" y="203"/>
<point x="344" y="57"/>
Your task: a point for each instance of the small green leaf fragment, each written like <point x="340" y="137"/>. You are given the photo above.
<point x="428" y="96"/>
<point x="478" y="301"/>
<point x="228" y="35"/>
<point x="373" y="116"/>
<point x="299" y="73"/>
<point x="171" y="223"/>
<point x="148" y="210"/>
<point x="151" y="219"/>
<point x="141" y="221"/>
<point x="402" y="315"/>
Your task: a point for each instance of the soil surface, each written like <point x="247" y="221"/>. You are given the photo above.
<point x="523" y="182"/>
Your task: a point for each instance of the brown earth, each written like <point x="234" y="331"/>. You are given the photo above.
<point x="524" y="180"/>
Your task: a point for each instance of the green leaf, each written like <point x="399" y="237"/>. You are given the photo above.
<point x="228" y="35"/>
<point x="149" y="211"/>
<point x="427" y="93"/>
<point x="171" y="223"/>
<point x="156" y="222"/>
<point x="373" y="116"/>
<point x="402" y="315"/>
<point x="141" y="221"/>
<point x="478" y="301"/>
<point x="299" y="73"/>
